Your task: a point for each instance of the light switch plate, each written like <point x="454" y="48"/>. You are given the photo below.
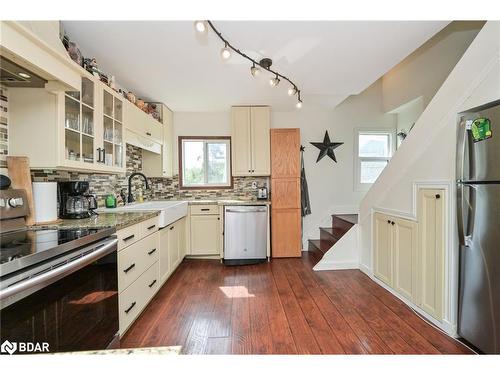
<point x="254" y="185"/>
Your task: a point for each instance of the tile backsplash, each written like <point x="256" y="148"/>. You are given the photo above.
<point x="160" y="188"/>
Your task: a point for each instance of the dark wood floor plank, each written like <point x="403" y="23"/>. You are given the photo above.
<point x="413" y="338"/>
<point x="240" y="314"/>
<point x="281" y="334"/>
<point x="344" y="333"/>
<point x="442" y="342"/>
<point x="371" y="341"/>
<point x="282" y="307"/>
<point x="261" y="338"/>
<point x="325" y="336"/>
<point x="367" y="309"/>
<point x="301" y="331"/>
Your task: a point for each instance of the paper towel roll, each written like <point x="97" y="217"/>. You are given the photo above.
<point x="45" y="198"/>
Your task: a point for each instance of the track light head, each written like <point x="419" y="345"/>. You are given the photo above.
<point x="254" y="71"/>
<point x="200" y="26"/>
<point x="225" y="52"/>
<point x="292" y="91"/>
<point x="274" y="81"/>
<point x="299" y="101"/>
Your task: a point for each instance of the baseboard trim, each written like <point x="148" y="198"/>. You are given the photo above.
<point x="335" y="266"/>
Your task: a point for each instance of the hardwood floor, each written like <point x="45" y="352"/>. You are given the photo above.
<point x="282" y="307"/>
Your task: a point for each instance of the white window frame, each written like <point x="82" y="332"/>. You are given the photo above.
<point x="358" y="186"/>
<point x="206" y="184"/>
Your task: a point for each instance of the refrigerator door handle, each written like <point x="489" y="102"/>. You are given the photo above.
<point x="460" y="214"/>
<point x="461" y="141"/>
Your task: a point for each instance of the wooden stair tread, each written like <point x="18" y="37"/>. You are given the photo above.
<point x="320" y="245"/>
<point x="336" y="233"/>
<point x="350" y="218"/>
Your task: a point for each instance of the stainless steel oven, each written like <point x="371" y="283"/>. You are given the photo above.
<point x="69" y="301"/>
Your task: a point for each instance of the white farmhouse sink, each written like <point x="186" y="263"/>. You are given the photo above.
<point x="170" y="211"/>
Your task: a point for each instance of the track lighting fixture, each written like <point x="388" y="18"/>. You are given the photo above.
<point x="225" y="53"/>
<point x="274" y="81"/>
<point x="257" y="66"/>
<point x="299" y="101"/>
<point x="254" y="71"/>
<point x="200" y="26"/>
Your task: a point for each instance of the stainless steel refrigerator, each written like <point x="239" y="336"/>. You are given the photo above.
<point x="478" y="211"/>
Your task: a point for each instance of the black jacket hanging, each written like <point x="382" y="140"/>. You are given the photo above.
<point x="304" y="190"/>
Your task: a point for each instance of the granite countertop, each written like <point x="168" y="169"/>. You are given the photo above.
<point x="229" y="202"/>
<point x="119" y="220"/>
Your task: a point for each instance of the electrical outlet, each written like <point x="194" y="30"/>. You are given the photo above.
<point x="254" y="185"/>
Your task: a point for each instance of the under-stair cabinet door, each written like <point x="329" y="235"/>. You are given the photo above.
<point x="405" y="256"/>
<point x="382" y="238"/>
<point x="250" y="141"/>
<point x="431" y="251"/>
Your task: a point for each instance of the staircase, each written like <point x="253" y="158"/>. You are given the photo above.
<point x="328" y="236"/>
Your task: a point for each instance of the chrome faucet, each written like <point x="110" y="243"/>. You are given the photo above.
<point x="130" y="197"/>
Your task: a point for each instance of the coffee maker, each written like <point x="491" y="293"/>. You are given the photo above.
<point x="74" y="200"/>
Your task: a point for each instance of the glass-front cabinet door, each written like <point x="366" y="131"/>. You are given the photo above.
<point x="79" y="130"/>
<point x="113" y="146"/>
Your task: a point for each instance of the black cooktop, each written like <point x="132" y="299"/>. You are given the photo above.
<point x="31" y="246"/>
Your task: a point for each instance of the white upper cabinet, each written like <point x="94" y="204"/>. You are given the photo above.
<point x="158" y="162"/>
<point x="250" y="141"/>
<point x="77" y="130"/>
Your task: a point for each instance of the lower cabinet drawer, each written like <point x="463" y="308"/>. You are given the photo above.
<point x="204" y="209"/>
<point x="133" y="299"/>
<point x="149" y="226"/>
<point x="135" y="259"/>
<point x="128" y="236"/>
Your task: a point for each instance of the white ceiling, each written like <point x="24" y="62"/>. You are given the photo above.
<point x="168" y="61"/>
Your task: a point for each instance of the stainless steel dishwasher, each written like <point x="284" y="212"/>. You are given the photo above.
<point x="245" y="234"/>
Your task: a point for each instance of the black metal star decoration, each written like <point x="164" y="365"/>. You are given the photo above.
<point x="326" y="148"/>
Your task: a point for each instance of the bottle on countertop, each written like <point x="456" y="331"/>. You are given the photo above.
<point x="110" y="201"/>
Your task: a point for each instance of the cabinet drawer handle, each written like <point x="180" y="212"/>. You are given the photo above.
<point x="438" y="196"/>
<point x="152" y="251"/>
<point x="130" y="308"/>
<point x="129" y="268"/>
<point x="151" y="227"/>
<point x="205" y="209"/>
<point x="148" y="133"/>
<point x="171" y="228"/>
<point x="392" y="223"/>
<point x="153" y="283"/>
<point x="388" y="221"/>
<point x="129" y="237"/>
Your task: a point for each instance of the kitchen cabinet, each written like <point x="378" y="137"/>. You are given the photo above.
<point x="431" y="254"/>
<point x="75" y="130"/>
<point x="285" y="186"/>
<point x="395" y="253"/>
<point x="204" y="230"/>
<point x="138" y="269"/>
<point x="161" y="164"/>
<point x="172" y="248"/>
<point x="250" y="141"/>
<point x="286" y="233"/>
<point x="143" y="124"/>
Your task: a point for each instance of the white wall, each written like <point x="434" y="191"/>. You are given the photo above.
<point x="331" y="185"/>
<point x="424" y="71"/>
<point x="428" y="153"/>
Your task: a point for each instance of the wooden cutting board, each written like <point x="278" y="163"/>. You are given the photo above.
<point x="20" y="175"/>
